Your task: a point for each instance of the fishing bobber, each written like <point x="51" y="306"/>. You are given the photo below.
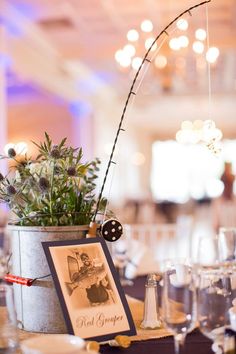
<point x="111" y="230"/>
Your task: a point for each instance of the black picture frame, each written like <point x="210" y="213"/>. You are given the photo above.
<point x="90" y="275"/>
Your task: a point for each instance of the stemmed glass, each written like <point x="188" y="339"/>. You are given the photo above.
<point x="215" y="268"/>
<point x="179" y="300"/>
<point x="227" y="244"/>
<point x="4" y="250"/>
<point x="215" y="296"/>
<point x="9" y="342"/>
<point x="218" y="249"/>
<point x="121" y="259"/>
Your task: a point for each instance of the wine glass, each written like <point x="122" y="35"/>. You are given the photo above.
<point x="207" y="252"/>
<point x="227" y="244"/>
<point x="214" y="299"/>
<point x="121" y="259"/>
<point x="179" y="300"/>
<point x="216" y="249"/>
<point x="9" y="341"/>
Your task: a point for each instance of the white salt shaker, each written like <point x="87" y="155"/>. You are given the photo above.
<point x="151" y="318"/>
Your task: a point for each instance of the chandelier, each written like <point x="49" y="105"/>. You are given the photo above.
<point x="130" y="56"/>
<point x="200" y="131"/>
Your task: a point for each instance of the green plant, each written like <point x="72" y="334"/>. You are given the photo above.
<point x="54" y="189"/>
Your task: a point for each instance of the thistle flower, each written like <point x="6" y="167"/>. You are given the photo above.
<point x="11" y="152"/>
<point x="41" y="188"/>
<point x="71" y="171"/>
<point x="11" y="190"/>
<point x="43" y="184"/>
<point x="55" y="152"/>
<point x="57" y="170"/>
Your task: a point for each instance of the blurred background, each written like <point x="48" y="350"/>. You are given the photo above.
<point x="66" y="67"/>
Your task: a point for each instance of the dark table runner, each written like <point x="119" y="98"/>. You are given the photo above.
<point x="196" y="343"/>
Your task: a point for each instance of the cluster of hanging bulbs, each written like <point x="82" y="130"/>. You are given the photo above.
<point x="198" y="46"/>
<point x="200" y="131"/>
<point x="127" y="56"/>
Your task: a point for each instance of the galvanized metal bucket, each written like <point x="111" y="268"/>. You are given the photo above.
<point x="38" y="308"/>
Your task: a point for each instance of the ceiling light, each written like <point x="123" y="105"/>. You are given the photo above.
<point x="209" y="124"/>
<point x="200" y="34"/>
<point x="149" y="42"/>
<point x="198" y="124"/>
<point x="186" y="125"/>
<point x="187" y="137"/>
<point x="129" y="49"/>
<point x="132" y="35"/>
<point x="183" y="41"/>
<point x="182" y="24"/>
<point x="125" y="61"/>
<point x="118" y="55"/>
<point x="212" y="135"/>
<point x="212" y="54"/>
<point x="174" y="44"/>
<point x="197" y="131"/>
<point x="160" y="61"/>
<point x="146" y="26"/>
<point x="198" y="47"/>
<point x="136" y="62"/>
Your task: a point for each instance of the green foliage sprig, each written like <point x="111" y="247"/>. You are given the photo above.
<point x="55" y="189"/>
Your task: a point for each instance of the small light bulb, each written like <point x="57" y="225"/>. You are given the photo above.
<point x="160" y="61"/>
<point x="125" y="61"/>
<point x="183" y="41"/>
<point x="149" y="42"/>
<point x="136" y="62"/>
<point x="182" y="24"/>
<point x="186" y="125"/>
<point x="200" y="34"/>
<point x="212" y="54"/>
<point x="198" y="47"/>
<point x="119" y="55"/>
<point x="174" y="44"/>
<point x="147" y="26"/>
<point x="209" y="124"/>
<point x="179" y="136"/>
<point x="132" y="35"/>
<point x="198" y="124"/>
<point x="129" y="49"/>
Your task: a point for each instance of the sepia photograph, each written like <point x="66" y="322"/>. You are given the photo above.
<point x="89" y="283"/>
<point x="92" y="299"/>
